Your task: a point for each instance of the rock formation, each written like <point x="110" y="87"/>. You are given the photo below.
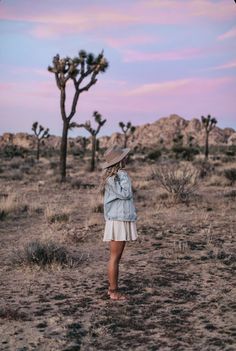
<point x="148" y="135"/>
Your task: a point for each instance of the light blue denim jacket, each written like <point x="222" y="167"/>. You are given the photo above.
<point x="118" y="198"/>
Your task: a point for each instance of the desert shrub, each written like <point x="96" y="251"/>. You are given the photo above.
<point x="96" y="204"/>
<point x="11" y="313"/>
<point x="55" y="215"/>
<point x="30" y="161"/>
<point x="76" y="183"/>
<point x="230" y="174"/>
<point x="231" y="194"/>
<point x="10" y="151"/>
<point x="16" y="175"/>
<point x="11" y="204"/>
<point x="59" y="217"/>
<point x="230" y="150"/>
<point x="25" y="169"/>
<point x="53" y="164"/>
<point x="97" y="208"/>
<point x="180" y="181"/>
<point x="185" y="153"/>
<point x="154" y="154"/>
<point x="42" y="254"/>
<point x="205" y="168"/>
<point x="76" y="151"/>
<point x="15" y="164"/>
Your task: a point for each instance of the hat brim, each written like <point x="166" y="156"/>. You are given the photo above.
<point x="116" y="160"/>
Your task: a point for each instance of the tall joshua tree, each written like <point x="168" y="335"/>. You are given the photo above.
<point x="82" y="70"/>
<point x="40" y="133"/>
<point x="94" y="132"/>
<point x="208" y="123"/>
<point x="127" y="129"/>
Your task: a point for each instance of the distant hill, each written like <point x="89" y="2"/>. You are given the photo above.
<point x="148" y="135"/>
<point x="165" y="129"/>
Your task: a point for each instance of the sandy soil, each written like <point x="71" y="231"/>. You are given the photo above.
<point x="178" y="274"/>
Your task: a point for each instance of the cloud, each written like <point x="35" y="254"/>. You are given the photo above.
<point x="53" y="22"/>
<point x="184" y="54"/>
<point x="129" y="41"/>
<point x="228" y="35"/>
<point x="188" y="85"/>
<point x="228" y="65"/>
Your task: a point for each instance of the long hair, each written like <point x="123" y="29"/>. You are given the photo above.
<point x="109" y="172"/>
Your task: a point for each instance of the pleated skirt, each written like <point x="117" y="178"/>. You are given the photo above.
<point x="120" y="231"/>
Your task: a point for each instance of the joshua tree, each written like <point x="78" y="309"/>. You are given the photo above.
<point x="178" y="140"/>
<point x="40" y="133"/>
<point x="94" y="132"/>
<point x="85" y="142"/>
<point x="208" y="123"/>
<point x="190" y="140"/>
<point x="83" y="68"/>
<point x="127" y="129"/>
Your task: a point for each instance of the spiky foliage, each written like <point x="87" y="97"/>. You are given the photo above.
<point x="127" y="129"/>
<point x="180" y="181"/>
<point x="208" y="123"/>
<point x="40" y="133"/>
<point x="82" y="70"/>
<point x="94" y="132"/>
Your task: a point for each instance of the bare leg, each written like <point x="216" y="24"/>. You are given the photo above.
<point x="116" y="250"/>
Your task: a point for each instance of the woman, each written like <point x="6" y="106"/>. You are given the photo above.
<point x="119" y="212"/>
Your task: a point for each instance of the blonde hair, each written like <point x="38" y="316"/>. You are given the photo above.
<point x="109" y="172"/>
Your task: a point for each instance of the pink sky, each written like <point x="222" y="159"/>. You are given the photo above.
<point x="165" y="57"/>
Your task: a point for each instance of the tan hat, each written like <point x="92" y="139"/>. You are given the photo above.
<point x="114" y="155"/>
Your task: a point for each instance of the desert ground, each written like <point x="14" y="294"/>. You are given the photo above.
<point x="178" y="275"/>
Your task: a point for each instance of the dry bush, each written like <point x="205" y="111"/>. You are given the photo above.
<point x="96" y="204"/>
<point x="12" y="314"/>
<point x="15" y="164"/>
<point x="16" y="175"/>
<point x="12" y="204"/>
<point x="180" y="181"/>
<point x="204" y="167"/>
<point x="217" y="180"/>
<point x="230" y="174"/>
<point x="231" y="194"/>
<point x="42" y="253"/>
<point x="141" y="185"/>
<point x="53" y="215"/>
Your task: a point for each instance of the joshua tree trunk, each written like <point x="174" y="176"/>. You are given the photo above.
<point x="38" y="142"/>
<point x="125" y="141"/>
<point x="206" y="146"/>
<point x="63" y="151"/>
<point x="93" y="153"/>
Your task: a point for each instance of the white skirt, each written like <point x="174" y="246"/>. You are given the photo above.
<point x="120" y="231"/>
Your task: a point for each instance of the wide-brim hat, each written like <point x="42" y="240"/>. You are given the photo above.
<point x="114" y="155"/>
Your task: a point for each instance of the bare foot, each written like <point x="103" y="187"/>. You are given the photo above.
<point x="115" y="295"/>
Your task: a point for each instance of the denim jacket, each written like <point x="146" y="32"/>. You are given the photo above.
<point x="118" y="198"/>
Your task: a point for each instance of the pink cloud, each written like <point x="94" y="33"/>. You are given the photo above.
<point x="228" y="35"/>
<point x="118" y="100"/>
<point x="25" y="71"/>
<point x="228" y="65"/>
<point x="57" y="22"/>
<point x="184" y="54"/>
<point x="130" y="41"/>
<point x="180" y="86"/>
<point x="178" y="11"/>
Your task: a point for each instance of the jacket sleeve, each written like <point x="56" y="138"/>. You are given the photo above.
<point x="121" y="186"/>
